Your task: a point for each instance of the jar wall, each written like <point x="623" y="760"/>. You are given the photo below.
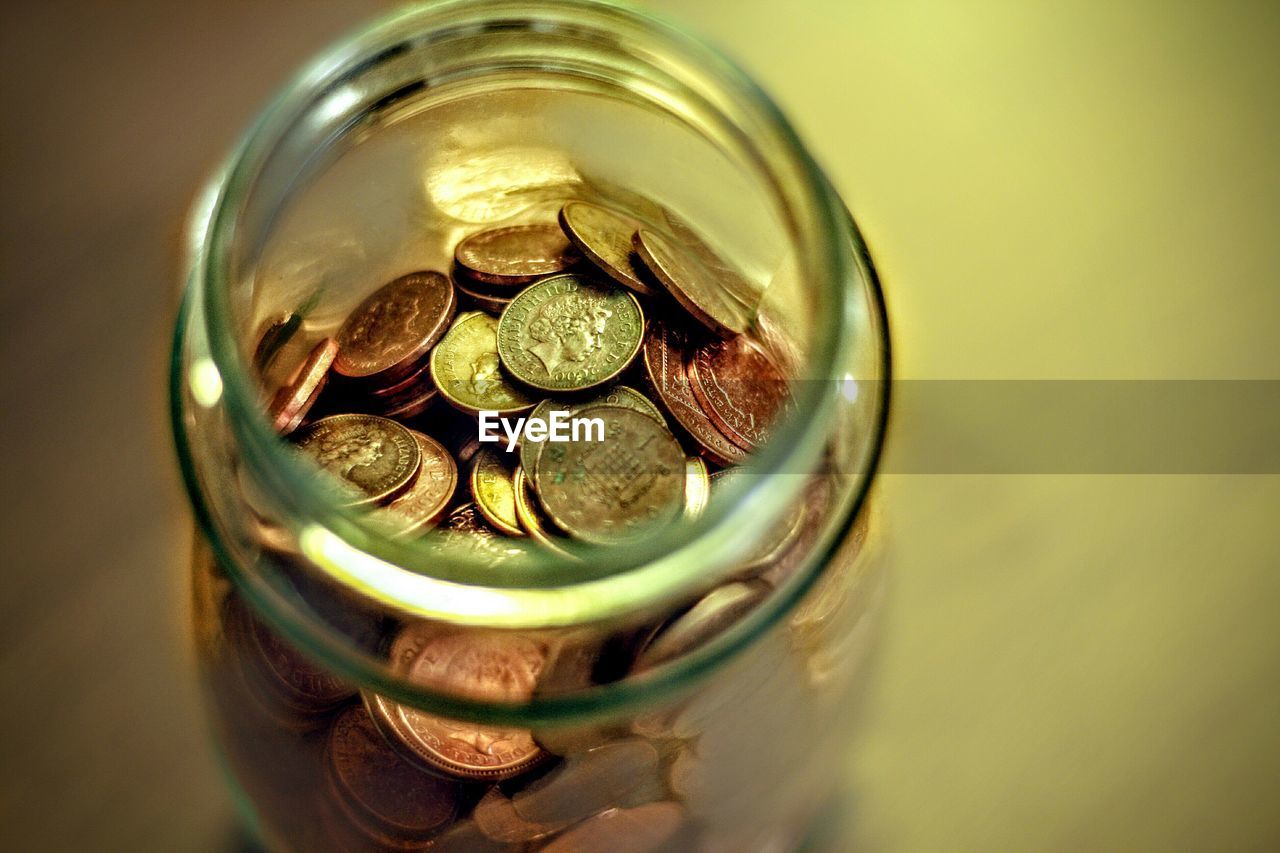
<point x="692" y="690"/>
<point x="742" y="760"/>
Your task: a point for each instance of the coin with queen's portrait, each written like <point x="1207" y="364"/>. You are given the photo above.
<point x="570" y="333"/>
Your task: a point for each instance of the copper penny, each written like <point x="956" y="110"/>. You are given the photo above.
<point x="395" y="326"/>
<point x="488" y="666"/>
<point x="694" y="281"/>
<point x="494" y="305"/>
<point x="604" y="238"/>
<point x="516" y="254"/>
<point x="616" y="489"/>
<point x="383" y="787"/>
<point x="740" y="388"/>
<point x="404" y="408"/>
<point x="344" y="829"/>
<point x="733" y="282"/>
<point x="304" y="686"/>
<point x="423" y="504"/>
<point x="410" y="385"/>
<point x="373" y="458"/>
<point x="295" y="398"/>
<point x="666" y="350"/>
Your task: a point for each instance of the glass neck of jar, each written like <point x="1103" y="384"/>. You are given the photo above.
<point x="341" y="98"/>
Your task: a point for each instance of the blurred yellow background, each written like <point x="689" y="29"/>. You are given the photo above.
<point x="1082" y="190"/>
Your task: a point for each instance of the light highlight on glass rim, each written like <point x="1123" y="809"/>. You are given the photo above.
<point x="205" y="382"/>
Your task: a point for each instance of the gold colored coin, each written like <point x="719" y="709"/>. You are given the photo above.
<point x="467" y="530"/>
<point x="531" y="517"/>
<point x="570" y="333"/>
<point x="466" y="369"/>
<point x="697" y="487"/>
<point x="626" y="397"/>
<point x="374" y="458"/>
<point x="604" y="238"/>
<point x="515" y="254"/>
<point x="618" y="395"/>
<point x="529" y="448"/>
<point x="423" y="504"/>
<point x="613" y="490"/>
<point x="695" y="281"/>
<point x="494" y="492"/>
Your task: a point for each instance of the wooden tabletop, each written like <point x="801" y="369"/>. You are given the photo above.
<point x="1092" y="191"/>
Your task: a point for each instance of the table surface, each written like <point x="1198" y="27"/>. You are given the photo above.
<point x="1091" y="191"/>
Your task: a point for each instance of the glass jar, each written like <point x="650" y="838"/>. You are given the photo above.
<point x="691" y="691"/>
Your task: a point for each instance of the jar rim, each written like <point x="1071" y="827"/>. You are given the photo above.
<point x="341" y="543"/>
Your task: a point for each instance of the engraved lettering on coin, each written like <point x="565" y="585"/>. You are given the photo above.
<point x="666" y="349"/>
<point x="604" y="238"/>
<point x="515" y="254"/>
<point x="395" y="326"/>
<point x="616" y="489"/>
<point x="305" y="686"/>
<point x="569" y="333"/>
<point x="422" y="504"/>
<point x="740" y="388"/>
<point x="374" y="457"/>
<point x="465" y="367"/>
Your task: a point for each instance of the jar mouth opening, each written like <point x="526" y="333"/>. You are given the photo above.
<point x="554" y="592"/>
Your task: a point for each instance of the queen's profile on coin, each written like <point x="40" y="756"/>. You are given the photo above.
<point x="569" y="333"/>
<point x="567" y="329"/>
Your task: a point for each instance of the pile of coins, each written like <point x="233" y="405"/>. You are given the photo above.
<point x="596" y="316"/>
<point x="643" y="327"/>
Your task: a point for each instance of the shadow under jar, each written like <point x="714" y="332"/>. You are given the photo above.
<point x="464" y="689"/>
